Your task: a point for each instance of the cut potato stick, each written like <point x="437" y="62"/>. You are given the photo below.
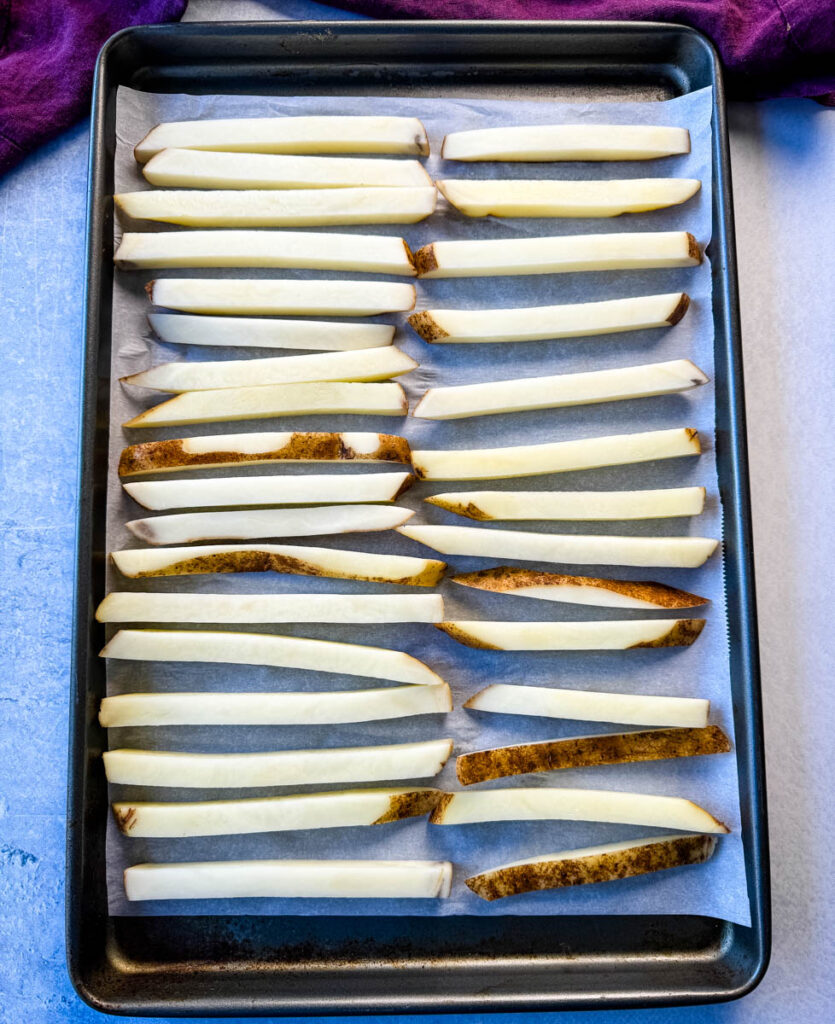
<point x="565" y="389"/>
<point x="591" y="706"/>
<point x="578" y="549"/>
<point x="317" y="134"/>
<point x="561" y="254"/>
<point x="306" y="879"/>
<point x="296" y="560"/>
<point x="589" y="751"/>
<point x="574" y="506"/>
<point x="139" y="606"/>
<point x="365" y="365"/>
<point x="272" y="814"/>
<point x="548" y="198"/>
<point x="597" y="635"/>
<point x="536" y="323"/>
<point x="240" y="332"/>
<point x="265" y="402"/>
<point x="188" y="168"/>
<point x="284" y="208"/>
<point x="556" y="456"/>
<point x="567" y="142"/>
<point x="227" y="648"/>
<point x="257" y="449"/>
<point x="553" y="804"/>
<point x="371" y="254"/>
<point x="323" y="708"/>
<point x="281" y="768"/>
<point x="605" y="863"/>
<point x="604" y="593"/>
<point x="245" y="524"/>
<point x="283" y="297"/>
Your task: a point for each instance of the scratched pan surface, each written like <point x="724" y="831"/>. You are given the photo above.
<point x="234" y="966"/>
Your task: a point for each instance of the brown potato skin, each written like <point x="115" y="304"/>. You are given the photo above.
<point x="590" y="751"/>
<point x="607" y="867"/>
<point x="693" y="250"/>
<point x="426" y="326"/>
<point x="410" y="805"/>
<point x="680" y="309"/>
<point x="682" y="633"/>
<point x="425" y="260"/>
<point x="463" y="637"/>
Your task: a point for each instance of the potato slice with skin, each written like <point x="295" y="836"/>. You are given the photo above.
<point x="573" y="506"/>
<point x="152" y="606"/>
<point x="311" y="250"/>
<point x="538" y="323"/>
<point x="589" y="751"/>
<point x="246" y="524"/>
<point x="296" y="560"/>
<point x="252" y="332"/>
<point x="560" y="254"/>
<point x="589" y="590"/>
<point x="252" y="297"/>
<point x="421" y="760"/>
<point x="571" y="548"/>
<point x="265" y="402"/>
<point x="605" y="863"/>
<point x="302" y="134"/>
<point x="567" y="142"/>
<point x="371" y="364"/>
<point x="228" y="648"/>
<point x="185" y="168"/>
<point x="548" y="198"/>
<point x="323" y="708"/>
<point x="591" y="706"/>
<point x="272" y="814"/>
<point x="565" y="389"/>
<point x="556" y="456"/>
<point x="597" y="635"/>
<point x="558" y="804"/>
<point x="264" y="447"/>
<point x="279" y="208"/>
<point x="310" y="879"/>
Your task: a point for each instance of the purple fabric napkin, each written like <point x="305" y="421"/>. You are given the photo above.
<point x="48" y="50"/>
<point x="769" y="47"/>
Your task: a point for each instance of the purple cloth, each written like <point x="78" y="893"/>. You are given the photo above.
<point x="48" y="50"/>
<point x="768" y="47"/>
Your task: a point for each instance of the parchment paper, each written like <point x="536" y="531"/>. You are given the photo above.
<point x="717" y="888"/>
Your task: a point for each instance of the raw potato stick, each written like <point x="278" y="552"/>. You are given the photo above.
<point x="370" y="254"/>
<point x="560" y="254"/>
<point x="589" y="590"/>
<point x="279" y="208"/>
<point x="227" y="648"/>
<point x="296" y="560"/>
<point x="567" y="142"/>
<point x="591" y="706"/>
<point x="247" y="524"/>
<point x="322" y="708"/>
<point x="270" y="400"/>
<point x="253" y="332"/>
<point x="555" y="456"/>
<point x="605" y="863"/>
<point x="311" y="879"/>
<point x="537" y="323"/>
<point x="589" y="751"/>
<point x="597" y="635"/>
<point x="286" y="297"/>
<point x="421" y="760"/>
<point x="371" y="364"/>
<point x="566" y="389"/>
<point x="602" y="506"/>
<point x="272" y="814"/>
<point x="184" y="168"/>
<point x="152" y="606"/>
<point x="547" y="198"/>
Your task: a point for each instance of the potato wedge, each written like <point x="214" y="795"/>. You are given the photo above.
<point x="253" y="332"/>
<point x="596" y="635"/>
<point x="605" y="863"/>
<point x="573" y="506"/>
<point x="506" y="197"/>
<point x="567" y="142"/>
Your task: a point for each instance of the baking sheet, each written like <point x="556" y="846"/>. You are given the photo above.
<point x="716" y="889"/>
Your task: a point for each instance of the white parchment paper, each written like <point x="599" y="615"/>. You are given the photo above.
<point x="717" y="888"/>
